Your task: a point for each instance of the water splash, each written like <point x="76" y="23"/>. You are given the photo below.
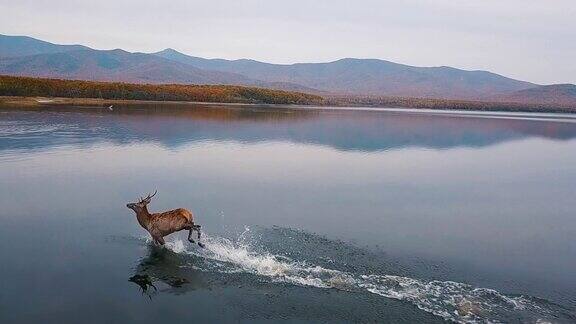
<point x="450" y="300"/>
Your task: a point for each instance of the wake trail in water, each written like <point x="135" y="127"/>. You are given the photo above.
<point x="450" y="300"/>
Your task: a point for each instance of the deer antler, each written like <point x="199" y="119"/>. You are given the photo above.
<point x="149" y="197"/>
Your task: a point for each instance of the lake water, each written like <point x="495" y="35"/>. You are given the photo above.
<point x="308" y="215"/>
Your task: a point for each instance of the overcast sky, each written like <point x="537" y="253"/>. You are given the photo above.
<point x="533" y="40"/>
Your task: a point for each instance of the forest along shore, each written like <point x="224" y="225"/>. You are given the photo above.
<point x="36" y="92"/>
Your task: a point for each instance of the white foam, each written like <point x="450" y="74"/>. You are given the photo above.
<point x="177" y="246"/>
<point x="450" y="300"/>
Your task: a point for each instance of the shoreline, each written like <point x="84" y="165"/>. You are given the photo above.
<point x="495" y="109"/>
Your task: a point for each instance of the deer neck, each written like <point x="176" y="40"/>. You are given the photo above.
<point x="143" y="217"/>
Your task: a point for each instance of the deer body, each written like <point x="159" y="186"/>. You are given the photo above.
<point x="166" y="223"/>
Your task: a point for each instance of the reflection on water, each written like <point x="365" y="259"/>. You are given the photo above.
<point x="167" y="267"/>
<point x="402" y="217"/>
<point x="145" y="283"/>
<point x="342" y="130"/>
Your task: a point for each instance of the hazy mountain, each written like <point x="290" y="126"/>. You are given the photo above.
<point x="366" y="77"/>
<point x="25" y="56"/>
<point x="115" y="65"/>
<point x="11" y="46"/>
<point x="555" y="94"/>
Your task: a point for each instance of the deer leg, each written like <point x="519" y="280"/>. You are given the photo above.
<point x="197" y="227"/>
<point x="159" y="240"/>
<point x="190" y="229"/>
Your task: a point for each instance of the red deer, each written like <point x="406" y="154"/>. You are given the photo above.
<point x="166" y="223"/>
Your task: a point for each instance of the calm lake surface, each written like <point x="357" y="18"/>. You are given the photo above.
<point x="308" y="215"/>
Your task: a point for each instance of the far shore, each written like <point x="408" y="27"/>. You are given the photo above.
<point x="337" y="103"/>
<point x="42" y="92"/>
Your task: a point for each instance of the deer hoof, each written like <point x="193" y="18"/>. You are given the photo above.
<point x="201" y="245"/>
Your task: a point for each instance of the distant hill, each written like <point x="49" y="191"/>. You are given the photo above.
<point x="115" y="65"/>
<point x="366" y="77"/>
<point x="11" y="46"/>
<point x="555" y="94"/>
<point x="26" y="56"/>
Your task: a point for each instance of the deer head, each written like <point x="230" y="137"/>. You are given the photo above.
<point x="141" y="205"/>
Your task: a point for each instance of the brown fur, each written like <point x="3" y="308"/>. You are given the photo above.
<point x="166" y="223"/>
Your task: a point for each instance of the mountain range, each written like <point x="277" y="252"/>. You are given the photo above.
<point x="26" y="56"/>
<point x="366" y="77"/>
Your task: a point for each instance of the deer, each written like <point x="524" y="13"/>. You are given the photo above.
<point x="166" y="223"/>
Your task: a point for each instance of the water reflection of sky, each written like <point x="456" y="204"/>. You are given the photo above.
<point x="493" y="195"/>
